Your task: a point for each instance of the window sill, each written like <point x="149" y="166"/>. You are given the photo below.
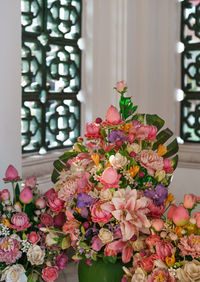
<point x="189" y="156"/>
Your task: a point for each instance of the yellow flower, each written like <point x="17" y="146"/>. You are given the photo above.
<point x="6" y="222"/>
<point x="170" y="261"/>
<point x="178" y="230"/>
<point x="169" y="199"/>
<point x="162" y="150"/>
<point x="95" y="158"/>
<point x="126" y="127"/>
<point x="78" y="210"/>
<point x="133" y="170"/>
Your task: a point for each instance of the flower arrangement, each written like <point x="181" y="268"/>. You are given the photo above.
<point x="115" y="181"/>
<point x="171" y="252"/>
<point x="32" y="244"/>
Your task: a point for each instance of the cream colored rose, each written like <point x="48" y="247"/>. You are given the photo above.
<point x="105" y="235"/>
<point x="14" y="273"/>
<point x="139" y="276"/>
<point x="189" y="272"/>
<point x="133" y="148"/>
<point x="36" y="255"/>
<point x="139" y="244"/>
<point x="160" y="174"/>
<point x="105" y="195"/>
<point x="117" y="160"/>
<point x="50" y="239"/>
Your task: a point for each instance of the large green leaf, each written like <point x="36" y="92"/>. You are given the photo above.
<point x="17" y="192"/>
<point x="175" y="162"/>
<point x="172" y="149"/>
<point x="162" y="137"/>
<point x="155" y="120"/>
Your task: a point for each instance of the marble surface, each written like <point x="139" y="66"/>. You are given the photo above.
<point x="70" y="274"/>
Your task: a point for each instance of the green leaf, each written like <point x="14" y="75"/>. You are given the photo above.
<point x="172" y="149"/>
<point x="162" y="137"/>
<point x="29" y="208"/>
<point x="68" y="155"/>
<point x="111" y="259"/>
<point x="175" y="161"/>
<point x="17" y="192"/>
<point x="54" y="176"/>
<point x="155" y="120"/>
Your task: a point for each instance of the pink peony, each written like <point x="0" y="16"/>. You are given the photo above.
<point x="11" y="174"/>
<point x="120" y="85"/>
<point x="158" y="224"/>
<point x="142" y="132"/>
<point x="26" y="196"/>
<point x="152" y="240"/>
<point x="9" y="250"/>
<point x="31" y="181"/>
<point x="110" y="178"/>
<point x="46" y="219"/>
<point x="167" y="165"/>
<point x="164" y="249"/>
<point x="50" y="273"/>
<point x="41" y="203"/>
<point x="5" y="194"/>
<point x="68" y="189"/>
<point x="180" y="216"/>
<point x="93" y="130"/>
<point x="20" y="221"/>
<point x="189" y="201"/>
<point x="155" y="211"/>
<point x="190" y="245"/>
<point x="33" y="237"/>
<point x="55" y="204"/>
<point x="160" y="274"/>
<point x="147" y="263"/>
<point x="113" y="117"/>
<point x="150" y="160"/>
<point x="99" y="214"/>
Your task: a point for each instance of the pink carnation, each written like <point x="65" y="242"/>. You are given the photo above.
<point x="20" y="221"/>
<point x="99" y="214"/>
<point x="190" y="245"/>
<point x="160" y="273"/>
<point x="150" y="160"/>
<point x="9" y="250"/>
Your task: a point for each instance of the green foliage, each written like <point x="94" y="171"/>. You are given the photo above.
<point x="162" y="137"/>
<point x="172" y="149"/>
<point x="155" y="120"/>
<point x="126" y="107"/>
<point x="111" y="259"/>
<point x="17" y="192"/>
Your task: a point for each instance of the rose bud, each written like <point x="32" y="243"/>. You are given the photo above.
<point x="5" y="195"/>
<point x="31" y="181"/>
<point x="59" y="219"/>
<point x="26" y="196"/>
<point x="11" y="174"/>
<point x="40" y="203"/>
<point x="189" y="201"/>
<point x="158" y="224"/>
<point x="120" y="85"/>
<point x="33" y="237"/>
<point x="180" y="216"/>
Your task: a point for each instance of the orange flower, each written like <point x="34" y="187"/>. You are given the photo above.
<point x="169" y="199"/>
<point x="170" y="261"/>
<point x="95" y="158"/>
<point x="162" y="150"/>
<point x="6" y="222"/>
<point x="178" y="230"/>
<point x="134" y="170"/>
<point x="126" y="127"/>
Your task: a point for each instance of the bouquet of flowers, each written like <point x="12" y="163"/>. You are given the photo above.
<point x="171" y="252"/>
<point x="114" y="182"/>
<point x="32" y="244"/>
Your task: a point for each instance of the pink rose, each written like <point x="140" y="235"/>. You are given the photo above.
<point x="55" y="204"/>
<point x="164" y="249"/>
<point x="5" y="194"/>
<point x="120" y="85"/>
<point x="93" y="130"/>
<point x="160" y="272"/>
<point x="99" y="214"/>
<point x="158" y="224"/>
<point x="41" y="203"/>
<point x="113" y="117"/>
<point x="152" y="240"/>
<point x="180" y="216"/>
<point x="167" y="165"/>
<point x="110" y="178"/>
<point x="190" y="245"/>
<point x="46" y="219"/>
<point x="155" y="211"/>
<point x="148" y="263"/>
<point x="26" y="196"/>
<point x="49" y="193"/>
<point x="50" y="273"/>
<point x="11" y="174"/>
<point x="189" y="201"/>
<point x="33" y="237"/>
<point x="20" y="221"/>
<point x="150" y="160"/>
<point x="31" y="181"/>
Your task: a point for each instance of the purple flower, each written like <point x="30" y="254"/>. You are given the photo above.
<point x="116" y="135"/>
<point x="61" y="261"/>
<point x="158" y="195"/>
<point x="84" y="201"/>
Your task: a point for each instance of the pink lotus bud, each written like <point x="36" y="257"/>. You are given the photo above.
<point x="113" y="116"/>
<point x="189" y="201"/>
<point x="197" y="217"/>
<point x="93" y="130"/>
<point x="11" y="174"/>
<point x="158" y="224"/>
<point x="26" y="196"/>
<point x="41" y="203"/>
<point x="120" y="85"/>
<point x="31" y="181"/>
<point x="171" y="211"/>
<point x="180" y="216"/>
<point x="5" y="194"/>
<point x="33" y="237"/>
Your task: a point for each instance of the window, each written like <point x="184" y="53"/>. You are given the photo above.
<point x="190" y="71"/>
<point x="51" y="74"/>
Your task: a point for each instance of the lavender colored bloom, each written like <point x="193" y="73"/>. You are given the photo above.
<point x="84" y="201"/>
<point x="116" y="135"/>
<point x="158" y="195"/>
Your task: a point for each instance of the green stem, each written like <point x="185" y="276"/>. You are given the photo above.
<point x="13" y="188"/>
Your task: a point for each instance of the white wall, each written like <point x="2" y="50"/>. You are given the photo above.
<point x="10" y="92"/>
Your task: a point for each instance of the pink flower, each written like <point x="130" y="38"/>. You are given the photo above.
<point x="152" y="240"/>
<point x="109" y="252"/>
<point x="120" y="85"/>
<point x="143" y="132"/>
<point x="152" y="132"/>
<point x="180" y="216"/>
<point x="171" y="211"/>
<point x="160" y="273"/>
<point x="11" y="174"/>
<point x="26" y="196"/>
<point x="55" y="204"/>
<point x="72" y="228"/>
<point x="190" y="245"/>
<point x="189" y="201"/>
<point x="68" y="189"/>
<point x="33" y="237"/>
<point x="99" y="214"/>
<point x="155" y="211"/>
<point x="46" y="219"/>
<point x="20" y="221"/>
<point x="197" y="218"/>
<point x="97" y="243"/>
<point x="123" y="247"/>
<point x="49" y="193"/>
<point x="61" y="261"/>
<point x="5" y="194"/>
<point x="164" y="249"/>
<point x="158" y="224"/>
<point x="150" y="160"/>
<point x="41" y="203"/>
<point x="50" y="273"/>
<point x="147" y="263"/>
<point x="59" y="219"/>
<point x="9" y="250"/>
<point x="110" y="178"/>
<point x="167" y="165"/>
<point x="113" y="117"/>
<point x="93" y="130"/>
<point x="31" y="181"/>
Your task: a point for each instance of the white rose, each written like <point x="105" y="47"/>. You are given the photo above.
<point x="105" y="195"/>
<point x="117" y="160"/>
<point x="134" y="147"/>
<point x="160" y="174"/>
<point x="190" y="272"/>
<point x="14" y="273"/>
<point x="105" y="235"/>
<point x="35" y="255"/>
<point x="50" y="239"/>
<point x="139" y="276"/>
